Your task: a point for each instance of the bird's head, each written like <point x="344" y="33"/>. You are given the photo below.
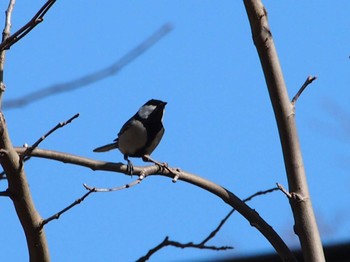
<point x="152" y="109"/>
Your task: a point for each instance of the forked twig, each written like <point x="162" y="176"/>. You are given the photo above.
<point x="201" y="245"/>
<point x="37" y="18"/>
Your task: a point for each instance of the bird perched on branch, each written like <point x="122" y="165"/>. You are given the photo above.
<point x="141" y="134"/>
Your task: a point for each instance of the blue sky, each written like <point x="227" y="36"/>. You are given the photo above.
<point x="219" y="123"/>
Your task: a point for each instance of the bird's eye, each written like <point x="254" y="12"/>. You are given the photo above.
<point x="145" y="111"/>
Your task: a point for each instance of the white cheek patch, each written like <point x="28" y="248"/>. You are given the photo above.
<point x="145" y="111"/>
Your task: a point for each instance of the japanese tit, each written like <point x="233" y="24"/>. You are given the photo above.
<point x="141" y="134"/>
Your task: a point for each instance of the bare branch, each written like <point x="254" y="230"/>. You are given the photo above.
<point x="284" y="191"/>
<point x="304" y="217"/>
<point x="167" y="242"/>
<point x="25" y="156"/>
<point x="91" y="78"/>
<point x="201" y="245"/>
<point x="8" y="23"/>
<point x="58" y="214"/>
<point x="37" y="18"/>
<point x="228" y="197"/>
<point x="308" y="81"/>
<point x="42" y="138"/>
<point x="134" y="183"/>
<point x="5" y="36"/>
<point x="176" y="172"/>
<point x="18" y="189"/>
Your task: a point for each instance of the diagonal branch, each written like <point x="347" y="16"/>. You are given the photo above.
<point x="307" y="82"/>
<point x="166" y="242"/>
<point x="91" y="78"/>
<point x="37" y="19"/>
<point x="25" y="156"/>
<point x="58" y="214"/>
<point x="228" y="197"/>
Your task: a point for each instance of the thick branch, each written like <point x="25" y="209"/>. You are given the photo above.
<point x="228" y="197"/>
<point x="305" y="222"/>
<point x="18" y="190"/>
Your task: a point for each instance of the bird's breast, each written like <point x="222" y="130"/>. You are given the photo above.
<point x="132" y="139"/>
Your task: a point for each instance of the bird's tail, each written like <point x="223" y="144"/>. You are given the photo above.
<point x="106" y="147"/>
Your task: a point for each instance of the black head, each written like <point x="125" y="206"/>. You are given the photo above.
<point x="152" y="110"/>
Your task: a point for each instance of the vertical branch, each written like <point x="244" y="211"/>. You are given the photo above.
<point x="5" y="36"/>
<point x="18" y="190"/>
<point x="305" y="222"/>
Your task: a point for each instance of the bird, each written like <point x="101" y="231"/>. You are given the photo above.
<point x="141" y="134"/>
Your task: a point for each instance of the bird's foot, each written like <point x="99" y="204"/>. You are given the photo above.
<point x="147" y="158"/>
<point x="130" y="168"/>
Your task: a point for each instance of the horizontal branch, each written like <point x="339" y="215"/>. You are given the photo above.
<point x="251" y="215"/>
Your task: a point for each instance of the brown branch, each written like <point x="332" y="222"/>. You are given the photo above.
<point x="91" y="78"/>
<point x="18" y="189"/>
<point x="304" y="217"/>
<point x="307" y="82"/>
<point x="58" y="214"/>
<point x="251" y="215"/>
<point x="37" y="18"/>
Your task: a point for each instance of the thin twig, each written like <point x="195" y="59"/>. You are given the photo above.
<point x="167" y="242"/>
<point x="201" y="245"/>
<point x="284" y="191"/>
<point x="90" y="190"/>
<point x="29" y="149"/>
<point x="37" y="18"/>
<point x="25" y="156"/>
<point x="308" y="81"/>
<point x="58" y="214"/>
<point x="91" y="78"/>
<point x="134" y="183"/>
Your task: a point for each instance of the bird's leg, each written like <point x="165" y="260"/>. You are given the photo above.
<point x="147" y="158"/>
<point x="130" y="167"/>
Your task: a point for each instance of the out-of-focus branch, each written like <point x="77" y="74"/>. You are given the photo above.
<point x="228" y="197"/>
<point x="37" y="18"/>
<point x="90" y="78"/>
<point x="305" y="222"/>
